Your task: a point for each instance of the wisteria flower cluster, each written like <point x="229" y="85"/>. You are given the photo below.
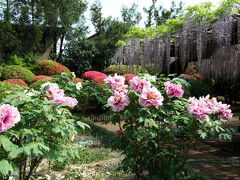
<point x="204" y="106"/>
<point x="57" y="95"/>
<point x="9" y="116"/>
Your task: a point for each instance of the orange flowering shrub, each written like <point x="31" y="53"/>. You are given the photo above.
<point x="19" y="82"/>
<point x="49" y="67"/>
<point x="17" y="72"/>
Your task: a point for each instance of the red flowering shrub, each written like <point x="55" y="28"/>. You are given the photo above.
<point x="37" y="78"/>
<point x="128" y="77"/>
<point x="49" y="67"/>
<point x="99" y="79"/>
<point x="17" y="82"/>
<point x="17" y="72"/>
<point x="77" y="80"/>
<point x="92" y="75"/>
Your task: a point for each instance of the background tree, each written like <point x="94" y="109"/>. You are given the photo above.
<point x="131" y="15"/>
<point x="97" y="18"/>
<point x="161" y="15"/>
<point x="150" y="14"/>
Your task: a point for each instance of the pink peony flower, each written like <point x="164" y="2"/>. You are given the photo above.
<point x="173" y="90"/>
<point x="71" y="102"/>
<point x="205" y="106"/>
<point x="150" y="97"/>
<point x="225" y="112"/>
<point x="199" y="108"/>
<point x="53" y="89"/>
<point x="114" y="80"/>
<point x="120" y="88"/>
<point x="118" y="102"/>
<point x="9" y="116"/>
<point x="137" y="84"/>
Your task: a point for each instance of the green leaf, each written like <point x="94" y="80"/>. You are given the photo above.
<point x="83" y="125"/>
<point x="5" y="167"/>
<point x="6" y="143"/>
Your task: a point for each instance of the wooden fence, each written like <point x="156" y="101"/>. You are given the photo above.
<point x="215" y="50"/>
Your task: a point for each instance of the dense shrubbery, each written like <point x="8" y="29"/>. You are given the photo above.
<point x="7" y="86"/>
<point x="37" y="78"/>
<point x="1" y="68"/>
<point x="200" y="88"/>
<point x="93" y="74"/>
<point x="17" y="72"/>
<point x="37" y="85"/>
<point x="49" y="67"/>
<point x="17" y="81"/>
<point x="125" y="69"/>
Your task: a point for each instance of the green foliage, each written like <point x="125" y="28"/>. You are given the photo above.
<point x="200" y="88"/>
<point x="203" y="13"/>
<point x="93" y="95"/>
<point x="84" y="155"/>
<point x="17" y="72"/>
<point x="6" y="88"/>
<point x="1" y="68"/>
<point x="26" y="24"/>
<point x="125" y="69"/>
<point x="44" y="131"/>
<point x="79" y="55"/>
<point x="28" y="61"/>
<point x="130" y="15"/>
<point x="37" y="85"/>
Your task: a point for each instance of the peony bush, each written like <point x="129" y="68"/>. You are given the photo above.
<point x="35" y="125"/>
<point x="161" y="124"/>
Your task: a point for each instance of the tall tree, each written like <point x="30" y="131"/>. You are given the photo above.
<point x="97" y="18"/>
<point x="150" y="14"/>
<point x="131" y="15"/>
<point x="161" y="15"/>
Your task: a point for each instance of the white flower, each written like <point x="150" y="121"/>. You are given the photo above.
<point x="79" y="86"/>
<point x="149" y="78"/>
<point x="63" y="73"/>
<point x="30" y="92"/>
<point x="74" y="75"/>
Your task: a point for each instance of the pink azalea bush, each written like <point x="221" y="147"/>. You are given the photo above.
<point x="9" y="116"/>
<point x="173" y="90"/>
<point x="93" y="74"/>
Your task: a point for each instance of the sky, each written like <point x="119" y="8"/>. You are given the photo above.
<point x="113" y="7"/>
